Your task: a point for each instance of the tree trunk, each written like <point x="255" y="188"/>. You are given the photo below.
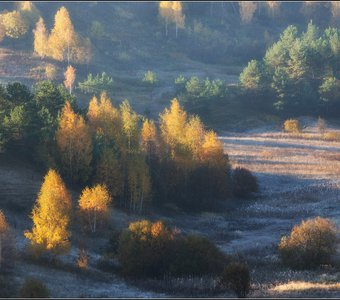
<point x="176" y="30"/>
<point x="166" y="27"/>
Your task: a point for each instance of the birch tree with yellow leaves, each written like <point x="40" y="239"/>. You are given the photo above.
<point x="51" y="217"/>
<point x="172" y="12"/>
<point x="94" y="205"/>
<point x="63" y="36"/>
<point x="70" y="77"/>
<point x="172" y="123"/>
<point x="75" y="144"/>
<point x="105" y="118"/>
<point x="40" y="38"/>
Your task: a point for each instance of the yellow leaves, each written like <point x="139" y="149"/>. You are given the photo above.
<point x="14" y="23"/>
<point x="173" y="122"/>
<point x="212" y="148"/>
<point x="70" y="77"/>
<point x="194" y="134"/>
<point x="94" y="203"/>
<point x="4" y="227"/>
<point x="130" y="124"/>
<point x="148" y="135"/>
<point x="51" y="216"/>
<point x="96" y="198"/>
<point x="105" y="117"/>
<point x="171" y="11"/>
<point x="40" y="38"/>
<point x="74" y="143"/>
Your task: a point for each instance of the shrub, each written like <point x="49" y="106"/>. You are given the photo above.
<point x="82" y="260"/>
<point x="291" y="126"/>
<point x="153" y="249"/>
<point x="50" y="72"/>
<point x="205" y="257"/>
<point x="243" y="182"/>
<point x="34" y="288"/>
<point x="236" y="277"/>
<point x="309" y="245"/>
<point x="332" y="136"/>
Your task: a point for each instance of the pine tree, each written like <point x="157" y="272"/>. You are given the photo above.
<point x="51" y="217"/>
<point x="40" y="38"/>
<point x="94" y="204"/>
<point x="75" y="144"/>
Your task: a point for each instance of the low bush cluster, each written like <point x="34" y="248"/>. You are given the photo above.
<point x="292" y="126"/>
<point x="34" y="288"/>
<point x="309" y="245"/>
<point x="149" y="249"/>
<point x="236" y="277"/>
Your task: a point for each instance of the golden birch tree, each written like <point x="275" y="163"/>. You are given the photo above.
<point x="51" y="217"/>
<point x="94" y="205"/>
<point x="70" y="77"/>
<point x="40" y="38"/>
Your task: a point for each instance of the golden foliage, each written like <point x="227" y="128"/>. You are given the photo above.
<point x="194" y="135"/>
<point x="4" y="227"/>
<point x="51" y="217"/>
<point x="104" y="117"/>
<point x="309" y="244"/>
<point x="50" y="72"/>
<point x="212" y="148"/>
<point x="75" y="144"/>
<point x="292" y="125"/>
<point x="130" y="125"/>
<point x="63" y="37"/>
<point x="40" y="38"/>
<point x="171" y="12"/>
<point x="15" y="24"/>
<point x="149" y="136"/>
<point x="82" y="260"/>
<point x="70" y="77"/>
<point x="94" y="203"/>
<point x="172" y="123"/>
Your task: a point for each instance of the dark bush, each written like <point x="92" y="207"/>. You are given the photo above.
<point x="236" y="277"/>
<point x="243" y="182"/>
<point x="154" y="249"/>
<point x="34" y="288"/>
<point x="309" y="245"/>
<point x="196" y="255"/>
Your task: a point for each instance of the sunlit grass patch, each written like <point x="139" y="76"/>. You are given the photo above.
<point x="297" y="286"/>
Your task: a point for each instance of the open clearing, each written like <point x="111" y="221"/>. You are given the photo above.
<point x="299" y="178"/>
